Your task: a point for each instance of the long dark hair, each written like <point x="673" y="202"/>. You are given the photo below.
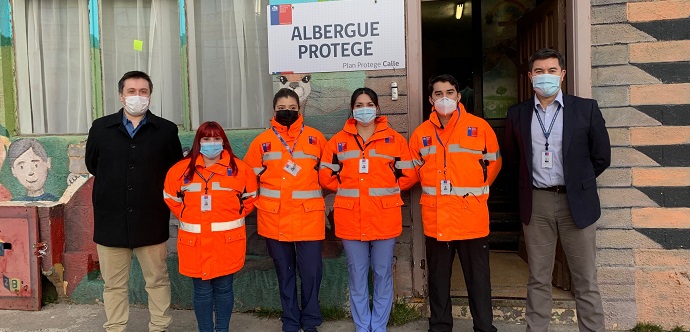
<point x="208" y="129"/>
<point x="364" y="91"/>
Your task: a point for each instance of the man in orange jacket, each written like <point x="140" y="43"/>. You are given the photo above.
<point x="457" y="160"/>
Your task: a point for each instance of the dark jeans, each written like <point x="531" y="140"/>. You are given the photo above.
<point x="474" y="258"/>
<point x="213" y="296"/>
<point x="305" y="256"/>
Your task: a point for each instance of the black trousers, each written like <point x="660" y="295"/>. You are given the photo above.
<point x="474" y="258"/>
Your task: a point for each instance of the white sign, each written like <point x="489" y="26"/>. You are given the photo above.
<point x="347" y="35"/>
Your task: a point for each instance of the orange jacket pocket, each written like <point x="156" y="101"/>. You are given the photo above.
<point x="344" y="203"/>
<point x="187" y="238"/>
<point x="268" y="205"/>
<point x="314" y="204"/>
<point x="235" y="235"/>
<point x="391" y="202"/>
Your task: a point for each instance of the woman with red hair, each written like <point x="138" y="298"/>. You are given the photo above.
<point x="210" y="192"/>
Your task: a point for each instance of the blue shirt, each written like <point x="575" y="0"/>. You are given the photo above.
<point x="548" y="177"/>
<point x="130" y="126"/>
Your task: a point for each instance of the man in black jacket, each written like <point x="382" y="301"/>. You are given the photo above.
<point x="129" y="153"/>
<point x="558" y="145"/>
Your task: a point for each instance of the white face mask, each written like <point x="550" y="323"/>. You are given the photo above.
<point x="136" y="105"/>
<point x="445" y="105"/>
<point x="365" y="115"/>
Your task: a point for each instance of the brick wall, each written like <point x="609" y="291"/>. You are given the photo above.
<point x="641" y="78"/>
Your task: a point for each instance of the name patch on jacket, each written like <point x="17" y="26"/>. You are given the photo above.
<point x="472" y="131"/>
<point x="266" y="146"/>
<point x="342" y="146"/>
<point x="390" y="139"/>
<point x="312" y="140"/>
<point x="426" y="140"/>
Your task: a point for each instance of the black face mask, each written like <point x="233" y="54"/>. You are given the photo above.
<point x="286" y="117"/>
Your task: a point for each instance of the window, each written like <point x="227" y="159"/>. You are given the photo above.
<point x="229" y="79"/>
<point x="53" y="60"/>
<point x="156" y="24"/>
<point x="220" y="55"/>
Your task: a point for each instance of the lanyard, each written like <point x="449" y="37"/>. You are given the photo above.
<point x="205" y="180"/>
<point x="441" y="141"/>
<point x="360" y="144"/>
<point x="285" y="143"/>
<point x="541" y="123"/>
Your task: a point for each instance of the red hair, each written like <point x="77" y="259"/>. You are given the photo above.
<point x="208" y="129"/>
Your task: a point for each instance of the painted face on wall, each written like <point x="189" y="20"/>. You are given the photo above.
<point x="31" y="171"/>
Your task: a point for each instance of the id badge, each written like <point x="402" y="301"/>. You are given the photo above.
<point x="205" y="203"/>
<point x="546" y="159"/>
<point x="363" y="166"/>
<point x="445" y="187"/>
<point x="292" y="168"/>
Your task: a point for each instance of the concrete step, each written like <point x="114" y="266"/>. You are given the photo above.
<point x="513" y="310"/>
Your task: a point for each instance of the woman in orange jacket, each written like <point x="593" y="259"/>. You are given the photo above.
<point x="210" y="192"/>
<point x="291" y="209"/>
<point x="367" y="164"/>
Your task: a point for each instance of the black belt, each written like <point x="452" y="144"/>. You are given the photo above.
<point x="555" y="189"/>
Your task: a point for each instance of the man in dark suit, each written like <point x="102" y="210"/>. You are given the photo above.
<point x="558" y="144"/>
<point x="129" y="153"/>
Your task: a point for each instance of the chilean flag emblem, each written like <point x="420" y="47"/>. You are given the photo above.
<point x="472" y="131"/>
<point x="426" y="140"/>
<point x="342" y="146"/>
<point x="281" y="14"/>
<point x="266" y="146"/>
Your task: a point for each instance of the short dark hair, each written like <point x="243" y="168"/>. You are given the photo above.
<point x="134" y="74"/>
<point x="285" y="93"/>
<point x="20" y="146"/>
<point x="364" y="91"/>
<point x="546" y="53"/>
<point x="442" y="78"/>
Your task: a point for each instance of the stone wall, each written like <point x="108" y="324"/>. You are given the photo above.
<point x="641" y="79"/>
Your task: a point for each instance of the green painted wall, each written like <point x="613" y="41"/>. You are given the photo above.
<point x="255" y="286"/>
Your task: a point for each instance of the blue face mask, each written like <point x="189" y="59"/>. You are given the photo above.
<point x="546" y="85"/>
<point x="365" y="115"/>
<point x="211" y="149"/>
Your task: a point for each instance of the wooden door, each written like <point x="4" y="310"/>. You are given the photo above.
<point x="542" y="27"/>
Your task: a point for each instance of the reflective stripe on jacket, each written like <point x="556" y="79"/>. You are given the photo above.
<point x="367" y="206"/>
<point x="470" y="159"/>
<point x="290" y="208"/>
<point x="211" y="243"/>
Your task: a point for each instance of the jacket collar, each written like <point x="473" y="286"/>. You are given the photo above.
<point x="291" y="132"/>
<point x="116" y="119"/>
<point x="219" y="167"/>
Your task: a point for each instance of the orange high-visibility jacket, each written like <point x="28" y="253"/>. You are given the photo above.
<point x="367" y="206"/>
<point x="469" y="158"/>
<point x="211" y="243"/>
<point x="290" y="207"/>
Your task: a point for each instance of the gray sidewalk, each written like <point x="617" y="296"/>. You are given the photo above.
<point x="89" y="318"/>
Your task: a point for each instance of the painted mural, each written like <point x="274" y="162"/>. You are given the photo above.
<point x="39" y="169"/>
<point x="500" y="63"/>
<point x="324" y="97"/>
